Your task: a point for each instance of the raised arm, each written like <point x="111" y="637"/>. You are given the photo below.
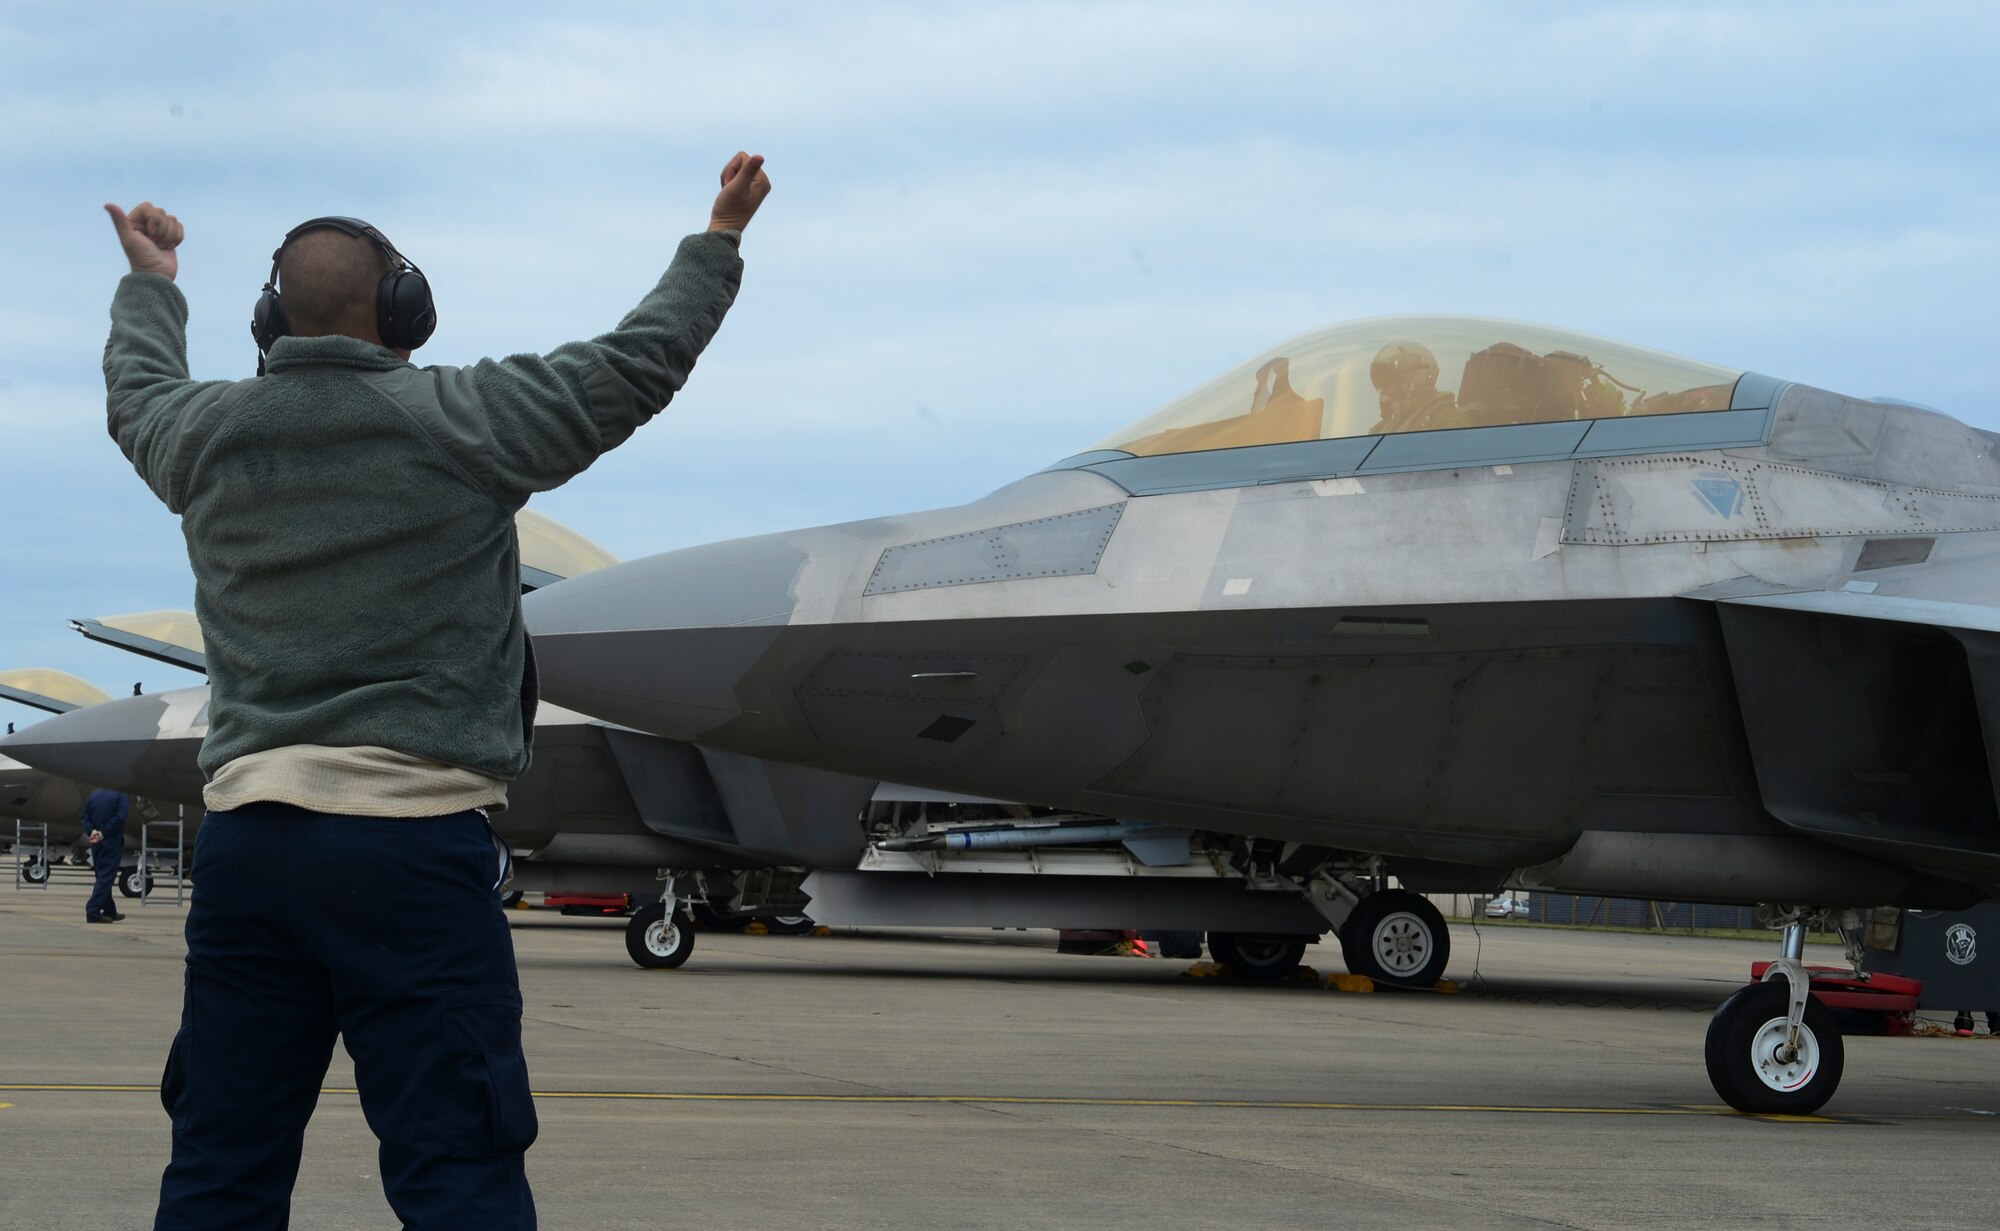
<point x="145" y="359"/>
<point x="546" y="418"/>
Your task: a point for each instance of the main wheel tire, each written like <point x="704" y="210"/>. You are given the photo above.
<point x="787" y="925"/>
<point x="1397" y="938"/>
<point x="34" y="872"/>
<point x="1263" y="957"/>
<point x="512" y="898"/>
<point x="1745" y="1059"/>
<point x="657" y="942"/>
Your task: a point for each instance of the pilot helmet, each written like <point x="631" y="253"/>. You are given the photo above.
<point x="1400" y="364"/>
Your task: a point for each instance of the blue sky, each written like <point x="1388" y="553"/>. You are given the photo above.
<point x="999" y="231"/>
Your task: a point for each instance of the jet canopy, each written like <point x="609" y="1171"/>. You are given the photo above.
<point x="1425" y="373"/>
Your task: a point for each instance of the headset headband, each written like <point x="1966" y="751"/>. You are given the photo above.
<point x="348" y="226"/>
<point x="404" y="311"/>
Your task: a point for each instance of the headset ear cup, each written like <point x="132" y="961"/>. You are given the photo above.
<point x="404" y="313"/>
<point x="267" y="319"/>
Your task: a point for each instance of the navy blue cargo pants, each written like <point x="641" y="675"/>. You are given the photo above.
<point x="104" y="861"/>
<point x="388" y="933"/>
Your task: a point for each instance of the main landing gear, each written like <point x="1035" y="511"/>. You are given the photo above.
<point x="1393" y="936"/>
<point x="1397" y="938"/>
<point x="1772" y="1048"/>
<point x="1259" y="957"/>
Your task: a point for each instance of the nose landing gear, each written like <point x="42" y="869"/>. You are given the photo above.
<point x="1773" y="1048"/>
<point x="657" y="939"/>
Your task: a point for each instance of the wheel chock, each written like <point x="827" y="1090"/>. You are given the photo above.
<point x="1223" y="970"/>
<point x="1349" y="983"/>
<point x="1445" y="987"/>
<point x="822" y="930"/>
<point x="756" y="929"/>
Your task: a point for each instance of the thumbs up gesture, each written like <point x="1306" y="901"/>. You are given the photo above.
<point x="149" y="236"/>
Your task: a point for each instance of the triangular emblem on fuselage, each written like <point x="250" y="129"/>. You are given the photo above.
<point x="1720" y="493"/>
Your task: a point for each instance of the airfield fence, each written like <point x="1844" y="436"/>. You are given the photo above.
<point x="1583" y="910"/>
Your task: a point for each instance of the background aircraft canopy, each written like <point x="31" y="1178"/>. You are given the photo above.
<point x="551" y="551"/>
<point x="1423" y="373"/>
<point x="46" y="688"/>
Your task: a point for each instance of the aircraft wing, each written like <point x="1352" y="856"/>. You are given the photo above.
<point x="550" y="552"/>
<point x="172" y="637"/>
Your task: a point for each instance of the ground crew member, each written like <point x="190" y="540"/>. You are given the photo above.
<point x="350" y="520"/>
<point x="104" y="816"/>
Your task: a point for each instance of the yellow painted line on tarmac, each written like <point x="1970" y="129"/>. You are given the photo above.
<point x="21" y="1087"/>
<point x="1018" y="1100"/>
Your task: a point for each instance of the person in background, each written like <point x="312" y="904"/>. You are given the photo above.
<point x="104" y="816"/>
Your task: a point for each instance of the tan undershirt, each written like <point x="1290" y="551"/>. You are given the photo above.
<point x="361" y="781"/>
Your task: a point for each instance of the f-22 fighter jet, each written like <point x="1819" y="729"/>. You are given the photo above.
<point x="1464" y="602"/>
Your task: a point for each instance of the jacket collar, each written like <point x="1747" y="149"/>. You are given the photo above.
<point x="333" y="351"/>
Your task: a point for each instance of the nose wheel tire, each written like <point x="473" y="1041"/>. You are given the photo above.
<point x="1397" y="938"/>
<point x="657" y="941"/>
<point x="134" y="882"/>
<point x="1258" y="956"/>
<point x="1751" y="1064"/>
<point x="34" y="872"/>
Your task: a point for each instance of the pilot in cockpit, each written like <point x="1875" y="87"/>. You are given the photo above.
<point x="1406" y="375"/>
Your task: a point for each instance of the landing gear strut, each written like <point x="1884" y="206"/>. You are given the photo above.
<point x="1772" y="1049"/>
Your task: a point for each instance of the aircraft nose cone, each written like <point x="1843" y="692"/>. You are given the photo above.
<point x="104" y="744"/>
<point x="663" y="643"/>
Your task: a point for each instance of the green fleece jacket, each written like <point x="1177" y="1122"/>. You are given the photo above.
<point x="350" y="516"/>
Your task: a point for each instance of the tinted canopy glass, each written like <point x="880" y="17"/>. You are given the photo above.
<point x="1425" y="373"/>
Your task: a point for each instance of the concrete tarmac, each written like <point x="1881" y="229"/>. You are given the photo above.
<point x="979" y="1079"/>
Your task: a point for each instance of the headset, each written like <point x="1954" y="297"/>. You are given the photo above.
<point x="405" y="315"/>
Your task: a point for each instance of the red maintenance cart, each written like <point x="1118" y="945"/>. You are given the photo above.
<point x="1879" y="1004"/>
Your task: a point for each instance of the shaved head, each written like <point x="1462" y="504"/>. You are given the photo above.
<point x="327" y="281"/>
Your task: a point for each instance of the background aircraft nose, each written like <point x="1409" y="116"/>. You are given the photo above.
<point x="104" y="744"/>
<point x="662" y="643"/>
